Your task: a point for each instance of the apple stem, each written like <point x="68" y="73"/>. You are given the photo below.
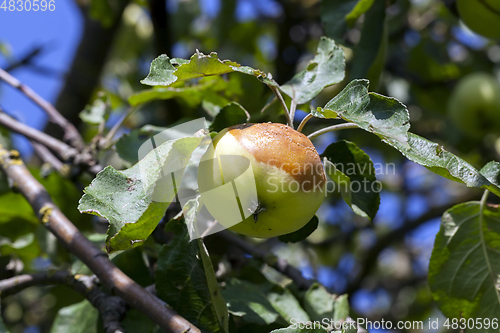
<point x="331" y="129"/>
<point x="293" y="107"/>
<point x="304" y="121"/>
<point x="287" y="113"/>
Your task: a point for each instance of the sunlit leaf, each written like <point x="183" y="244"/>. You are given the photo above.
<point x="134" y="200"/>
<point x="384" y="116"/>
<point x="98" y="112"/>
<point x="492" y="172"/>
<point x="465" y="265"/>
<point x="165" y="71"/>
<point x="440" y="161"/>
<point x="325" y="69"/>
<point x="263" y="303"/>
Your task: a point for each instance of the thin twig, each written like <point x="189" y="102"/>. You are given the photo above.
<point x="62" y="149"/>
<point x="27" y="59"/>
<point x="71" y="134"/>
<point x="304" y="121"/>
<point x="282" y="101"/>
<point x="269" y="104"/>
<point x="293" y="108"/>
<point x="47" y="157"/>
<point x="107" y="141"/>
<point x="331" y="129"/>
<point x="98" y="262"/>
<point x="112" y="308"/>
<point x="270" y="259"/>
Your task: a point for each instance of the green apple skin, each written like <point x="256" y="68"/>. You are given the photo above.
<point x="287" y="198"/>
<point x="474" y="105"/>
<point x="481" y="16"/>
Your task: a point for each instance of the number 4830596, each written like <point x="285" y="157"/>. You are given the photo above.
<point x="28" y="5"/>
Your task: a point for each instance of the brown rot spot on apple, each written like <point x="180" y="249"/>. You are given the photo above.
<point x="283" y="147"/>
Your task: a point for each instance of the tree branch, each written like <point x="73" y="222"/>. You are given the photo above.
<point x="55" y="221"/>
<point x="26" y="59"/>
<point x="112" y="308"/>
<point x="270" y="259"/>
<point x="47" y="157"/>
<point x="276" y="91"/>
<point x="63" y="150"/>
<point x="71" y="134"/>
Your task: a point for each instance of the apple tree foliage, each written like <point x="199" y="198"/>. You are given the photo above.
<point x="219" y="291"/>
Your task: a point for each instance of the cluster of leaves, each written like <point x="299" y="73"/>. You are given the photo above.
<point x="464" y="264"/>
<point x="385" y="117"/>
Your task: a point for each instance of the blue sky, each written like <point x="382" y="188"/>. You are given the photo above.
<point x="58" y="32"/>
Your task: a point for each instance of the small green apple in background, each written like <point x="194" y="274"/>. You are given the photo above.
<point x="474" y="105"/>
<point x="481" y="16"/>
<point x="289" y="177"/>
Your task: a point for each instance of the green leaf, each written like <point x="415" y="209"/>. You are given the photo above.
<point x="230" y="115"/>
<point x="186" y="281"/>
<point x="369" y="53"/>
<point x="334" y="15"/>
<point x="440" y="161"/>
<point x="491" y="171"/>
<point x="320" y="304"/>
<point x="465" y="265"/>
<point x="98" y="112"/>
<point x="361" y="7"/>
<point x="353" y="172"/>
<point x="165" y="71"/>
<point x="341" y="308"/>
<point x="77" y="318"/>
<point x="25" y="247"/>
<point x="161" y="72"/>
<point x="191" y="95"/>
<point x="262" y="304"/>
<point x="15" y="207"/>
<point x="302" y="233"/>
<point x="384" y="116"/>
<point x="128" y="144"/>
<point x="134" y="200"/>
<point x="246" y="300"/>
<point x="327" y="68"/>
